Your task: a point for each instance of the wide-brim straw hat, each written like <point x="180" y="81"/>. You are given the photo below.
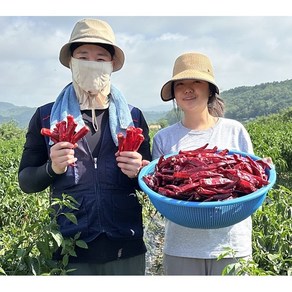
<point x="92" y="31"/>
<point x="189" y="66"/>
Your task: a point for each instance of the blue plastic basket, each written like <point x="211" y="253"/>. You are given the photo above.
<point x="207" y="215"/>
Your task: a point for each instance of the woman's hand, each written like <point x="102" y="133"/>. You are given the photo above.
<point x="130" y="162"/>
<point x="62" y="155"/>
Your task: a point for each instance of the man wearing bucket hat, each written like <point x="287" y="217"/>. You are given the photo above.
<point x="101" y="179"/>
<point x="193" y="89"/>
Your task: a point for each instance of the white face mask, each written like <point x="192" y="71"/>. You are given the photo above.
<point x="91" y="76"/>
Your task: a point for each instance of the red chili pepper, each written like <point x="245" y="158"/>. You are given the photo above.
<point x="245" y="186"/>
<point x="65" y="131"/>
<point x="62" y="131"/>
<point x="189" y="187"/>
<point x="52" y="134"/>
<point x="204" y="191"/>
<point x="71" y="126"/>
<point x="137" y="142"/>
<point x="167" y="193"/>
<point x="80" y="134"/>
<point x="121" y="139"/>
<point x="132" y="141"/>
<point x="206" y="174"/>
<point x="214" y="182"/>
<point x="198" y="150"/>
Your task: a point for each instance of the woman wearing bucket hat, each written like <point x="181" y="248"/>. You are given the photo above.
<point x="189" y="251"/>
<point x="101" y="179"/>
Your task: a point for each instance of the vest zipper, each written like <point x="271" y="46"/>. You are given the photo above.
<point x="95" y="162"/>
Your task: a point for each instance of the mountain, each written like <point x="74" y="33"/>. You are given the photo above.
<point x="153" y="116"/>
<point x="165" y="107"/>
<point x="242" y="103"/>
<point x="19" y="114"/>
<point x="248" y="102"/>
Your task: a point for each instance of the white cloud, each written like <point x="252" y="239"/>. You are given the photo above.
<point x="244" y="51"/>
<point x="172" y="37"/>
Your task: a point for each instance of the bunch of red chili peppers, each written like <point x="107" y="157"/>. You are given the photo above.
<point x="132" y="140"/>
<point x="65" y="131"/>
<point x="207" y="175"/>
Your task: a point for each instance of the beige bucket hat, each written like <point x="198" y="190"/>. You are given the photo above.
<point x="92" y="31"/>
<point x="189" y="66"/>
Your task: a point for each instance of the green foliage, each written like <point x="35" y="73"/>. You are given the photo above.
<point x="241" y="266"/>
<point x="272" y="239"/>
<point x="271" y="244"/>
<point x="272" y="222"/>
<point x="29" y="234"/>
<point x="163" y="123"/>
<point x="10" y="131"/>
<point x="272" y="137"/>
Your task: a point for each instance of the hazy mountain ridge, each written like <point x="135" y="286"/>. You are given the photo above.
<point x="19" y="114"/>
<point x="248" y="102"/>
<point x="242" y="103"/>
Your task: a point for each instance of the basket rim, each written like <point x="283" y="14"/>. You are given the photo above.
<point x="171" y="201"/>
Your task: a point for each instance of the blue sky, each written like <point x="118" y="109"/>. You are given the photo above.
<point x="245" y="50"/>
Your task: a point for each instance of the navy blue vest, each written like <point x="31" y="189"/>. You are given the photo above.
<point x="107" y="200"/>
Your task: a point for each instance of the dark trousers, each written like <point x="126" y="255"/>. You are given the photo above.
<point x="129" y="266"/>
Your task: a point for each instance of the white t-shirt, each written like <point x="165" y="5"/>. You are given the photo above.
<point x="205" y="243"/>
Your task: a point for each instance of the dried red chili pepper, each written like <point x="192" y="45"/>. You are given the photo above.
<point x="207" y="175"/>
<point x="62" y="131"/>
<point x="65" y="131"/>
<point x="80" y="134"/>
<point x="52" y="134"/>
<point x="132" y="141"/>
<point x="71" y="126"/>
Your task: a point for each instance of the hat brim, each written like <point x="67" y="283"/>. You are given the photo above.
<point x="118" y="58"/>
<point x="166" y="94"/>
